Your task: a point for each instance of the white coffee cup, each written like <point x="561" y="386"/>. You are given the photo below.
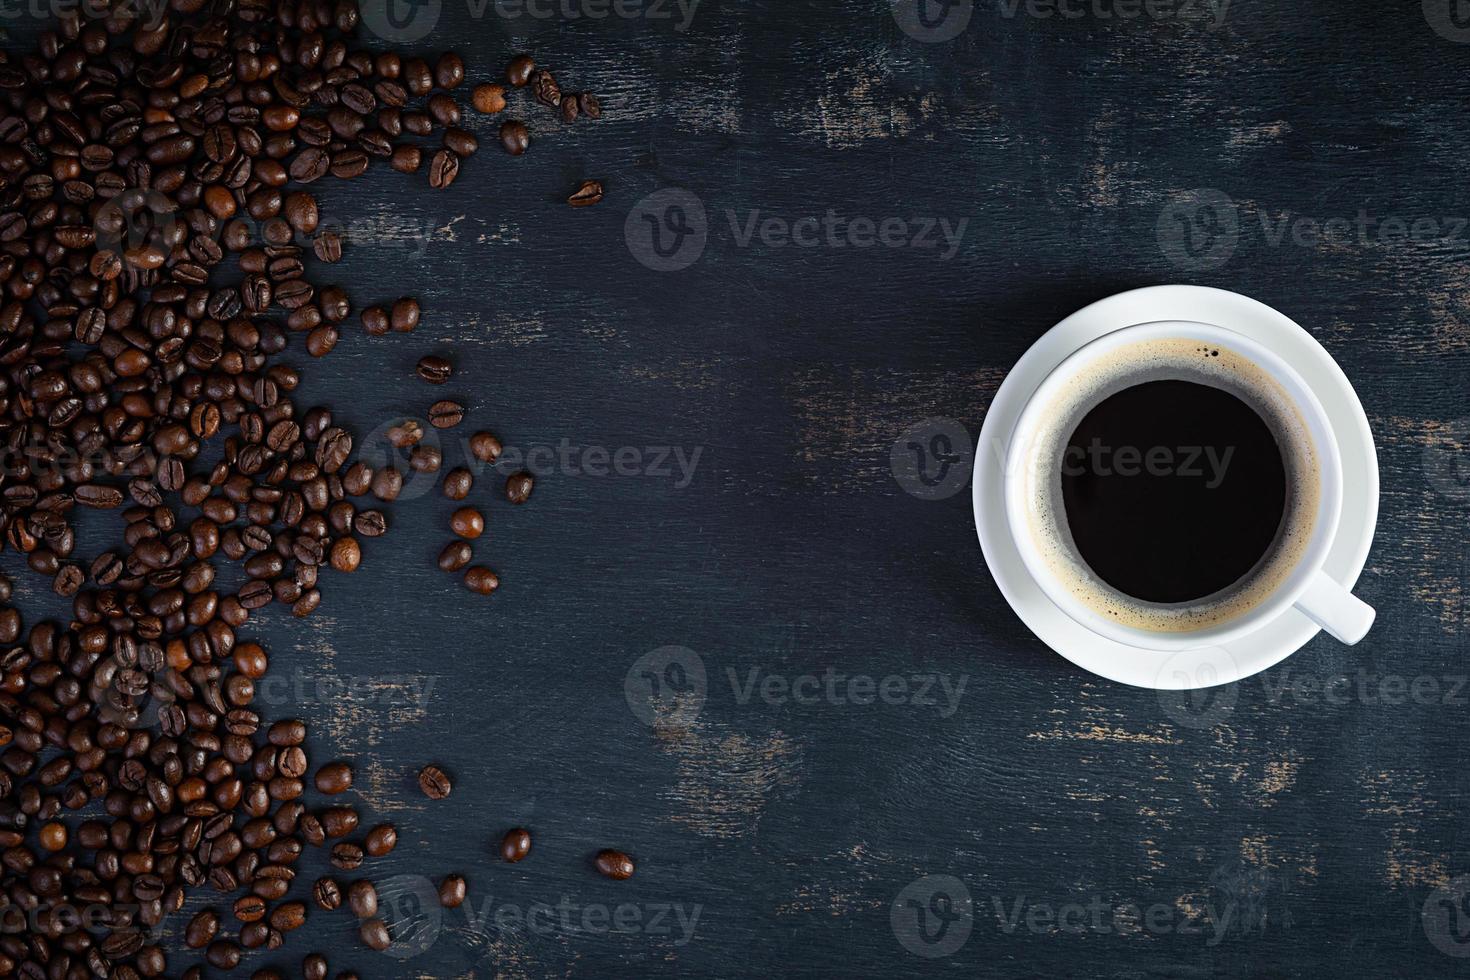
<point x="1297" y="578"/>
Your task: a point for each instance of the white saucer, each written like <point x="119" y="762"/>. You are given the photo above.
<point x="1274" y="641"/>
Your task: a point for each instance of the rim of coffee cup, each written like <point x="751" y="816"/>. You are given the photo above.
<point x="1314" y="554"/>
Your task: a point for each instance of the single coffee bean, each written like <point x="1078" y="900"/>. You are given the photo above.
<point x="590" y="105"/>
<point x="514" y="137"/>
<point x="588" y="194"/>
<point x="461" y="142"/>
<point x="434" y="782"/>
<point x="288" y="916"/>
<point x="406" y="159"/>
<point x="375" y="321"/>
<point x="201" y="929"/>
<point x="488" y="99"/>
<point x="338" y="821"/>
<point x="481" y="580"/>
<point x="518" y="488"/>
<point x="327" y="894"/>
<point x="614" y="864"/>
<point x="515" y="845"/>
<point x="362" y="898"/>
<point x="452" y="891"/>
<point x="467" y="522"/>
<point x="405" y="315"/>
<point x="334" y="778"/>
<point x="375" y="934"/>
<point x="425" y="459"/>
<point x="443" y="168"/>
<point x="518" y="72"/>
<point x="250" y="908"/>
<point x="346" y="555"/>
<point x="446" y="414"/>
<point x="314" y="967"/>
<point x="544" y="89"/>
<point x="381" y="840"/>
<point x="485" y="447"/>
<point x="328" y="246"/>
<point x="347" y="856"/>
<point x="434" y="369"/>
<point x="456" y="555"/>
<point x="569" y="107"/>
<point x="457" y="483"/>
<point x="449" y="71"/>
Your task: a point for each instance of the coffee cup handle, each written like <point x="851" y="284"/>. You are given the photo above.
<point x="1335" y="609"/>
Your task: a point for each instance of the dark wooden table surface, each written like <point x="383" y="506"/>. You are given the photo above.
<point x="861" y="763"/>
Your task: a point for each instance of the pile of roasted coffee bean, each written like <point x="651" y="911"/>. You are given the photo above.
<point x="154" y="228"/>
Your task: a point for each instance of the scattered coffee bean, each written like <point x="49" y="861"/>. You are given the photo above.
<point x="334" y="778"/>
<point x="327" y="894"/>
<point x="449" y="72"/>
<point x="485" y="447"/>
<point x="514" y="137"/>
<point x="614" y="864"/>
<point x="314" y="967"/>
<point x="456" y="555"/>
<point x="381" y="840"/>
<point x="588" y="194"/>
<point x="518" y="488"/>
<point x="488" y="99"/>
<point x="452" y="891"/>
<point x="347" y="856"/>
<point x="590" y="106"/>
<point x="481" y="580"/>
<point x="328" y="246"/>
<point x="458" y="482"/>
<point x="467" y="522"/>
<point x="434" y="369"/>
<point x="362" y="898"/>
<point x="434" y="782"/>
<point x="515" y="845"/>
<point x="375" y="934"/>
<point x="375" y="321"/>
<point x="518" y="73"/>
<point x="446" y="414"/>
<point x="405" y="315"/>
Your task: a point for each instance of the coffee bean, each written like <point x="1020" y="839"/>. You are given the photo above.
<point x="375" y="934"/>
<point x="425" y="459"/>
<point x="515" y="845"/>
<point x="250" y="908"/>
<point x="346" y="555"/>
<point x="544" y="89"/>
<point x="467" y="522"/>
<point x="452" y="891"/>
<point x="201" y="929"/>
<point x="518" y="72"/>
<point x="314" y="967"/>
<point x="327" y="894"/>
<point x="334" y="778"/>
<point x="338" y="821"/>
<point x="362" y="898"/>
<point x="288" y="916"/>
<point x="588" y="194"/>
<point x="514" y="137"/>
<point x="449" y="71"/>
<point x="614" y="864"/>
<point x="328" y="246"/>
<point x="434" y="369"/>
<point x="406" y="159"/>
<point x="569" y="107"/>
<point x="375" y="321"/>
<point x="518" y="488"/>
<point x="405" y="315"/>
<point x="481" y="580"/>
<point x="457" y="483"/>
<point x="488" y="99"/>
<point x="446" y="414"/>
<point x="485" y="447"/>
<point x="347" y="856"/>
<point x="381" y="840"/>
<point x="434" y="782"/>
<point x="590" y="105"/>
<point x="456" y="555"/>
<point x="443" y="168"/>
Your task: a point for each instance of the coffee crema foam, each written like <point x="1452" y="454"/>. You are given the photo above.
<point x="1172" y="359"/>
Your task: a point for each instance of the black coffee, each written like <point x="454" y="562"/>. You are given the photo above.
<point x="1173" y="490"/>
